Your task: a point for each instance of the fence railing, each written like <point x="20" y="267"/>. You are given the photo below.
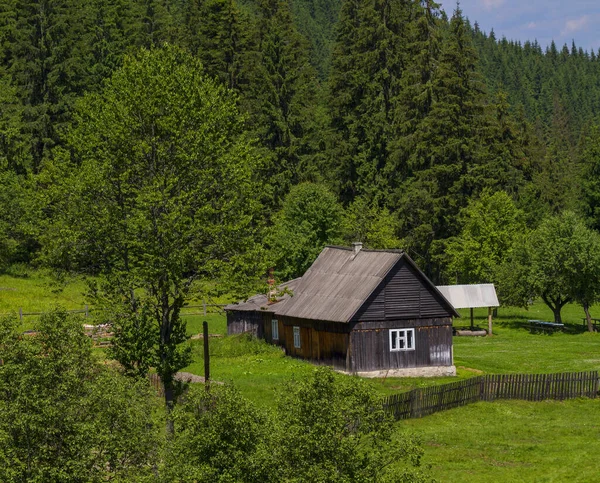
<point x="529" y="387"/>
<point x="205" y="309"/>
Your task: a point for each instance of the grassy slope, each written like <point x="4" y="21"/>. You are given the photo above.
<point x="501" y="441"/>
<point x="38" y="292"/>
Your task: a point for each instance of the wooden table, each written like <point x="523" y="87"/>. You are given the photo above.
<point x="542" y="326"/>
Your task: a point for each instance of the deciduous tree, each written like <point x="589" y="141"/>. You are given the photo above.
<point x="161" y="186"/>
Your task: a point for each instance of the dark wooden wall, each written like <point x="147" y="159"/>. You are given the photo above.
<point x="239" y="322"/>
<point x="320" y="342"/>
<point x="403" y="294"/>
<point x="370" y="346"/>
<point x="359" y="346"/>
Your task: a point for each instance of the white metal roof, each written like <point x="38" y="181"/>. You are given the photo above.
<point x="470" y="296"/>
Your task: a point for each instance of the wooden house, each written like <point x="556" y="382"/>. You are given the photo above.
<point x="369" y="312"/>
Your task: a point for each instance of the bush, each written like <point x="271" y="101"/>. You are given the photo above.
<point x="63" y="416"/>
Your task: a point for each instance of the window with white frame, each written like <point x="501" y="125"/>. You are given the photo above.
<point x="297" y="337"/>
<point x="402" y="340"/>
<point x="274" y="329"/>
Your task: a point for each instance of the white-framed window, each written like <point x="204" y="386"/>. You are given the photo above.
<point x="274" y="329"/>
<point x="402" y="340"/>
<point x="297" y="337"/>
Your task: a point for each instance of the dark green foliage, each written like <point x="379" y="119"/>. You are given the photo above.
<point x="335" y="430"/>
<point x="221" y="437"/>
<point x="18" y="216"/>
<point x="65" y="417"/>
<point x="280" y="96"/>
<point x="310" y="219"/>
<point x="368" y="61"/>
<point x="590" y="160"/>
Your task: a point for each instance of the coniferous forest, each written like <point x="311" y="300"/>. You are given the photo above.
<point x="398" y="113"/>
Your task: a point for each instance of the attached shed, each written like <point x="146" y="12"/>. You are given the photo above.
<point x="255" y="314"/>
<point x="370" y="312"/>
<point x="472" y="297"/>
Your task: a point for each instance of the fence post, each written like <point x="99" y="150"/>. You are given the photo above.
<point x="86" y="311"/>
<point x="21" y="314"/>
<point x="204" y="305"/>
<point x="206" y="356"/>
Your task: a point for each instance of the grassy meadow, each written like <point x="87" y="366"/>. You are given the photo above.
<point x="501" y="441"/>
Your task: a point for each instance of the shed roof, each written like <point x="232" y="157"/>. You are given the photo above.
<point x="260" y="303"/>
<point x="470" y="296"/>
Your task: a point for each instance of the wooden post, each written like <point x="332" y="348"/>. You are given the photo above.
<point x="206" y="357"/>
<point x="472" y="325"/>
<point x="204" y="306"/>
<point x="489" y="321"/>
<point x="21" y="314"/>
<point x="86" y="311"/>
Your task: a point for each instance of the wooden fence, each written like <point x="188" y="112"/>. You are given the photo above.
<point x="529" y="387"/>
<point x="205" y="309"/>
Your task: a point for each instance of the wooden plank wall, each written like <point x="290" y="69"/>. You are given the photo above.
<point x="529" y="387"/>
<point x="325" y="346"/>
<point x="239" y="322"/>
<point x="371" y="349"/>
<point x="403" y="294"/>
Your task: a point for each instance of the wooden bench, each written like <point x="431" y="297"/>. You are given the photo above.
<point x="595" y="324"/>
<point x="542" y="326"/>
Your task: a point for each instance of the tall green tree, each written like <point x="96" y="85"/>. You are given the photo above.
<point x="218" y="33"/>
<point x="280" y="98"/>
<point x="489" y="228"/>
<point x="161" y="185"/>
<point x="559" y="262"/>
<point x="38" y="57"/>
<point x="447" y="156"/>
<point x="367" y="64"/>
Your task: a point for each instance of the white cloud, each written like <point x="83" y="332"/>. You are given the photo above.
<point x="531" y="25"/>
<point x="490" y="4"/>
<point x="576" y="25"/>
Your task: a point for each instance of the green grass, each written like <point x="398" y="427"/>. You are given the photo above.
<point x="501" y="441"/>
<point x="256" y="368"/>
<point x="37" y="291"/>
<point x="512" y="441"/>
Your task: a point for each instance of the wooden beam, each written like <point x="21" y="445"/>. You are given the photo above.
<point x="472" y="325"/>
<point x="489" y="321"/>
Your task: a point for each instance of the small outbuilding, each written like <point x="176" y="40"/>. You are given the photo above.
<point x="369" y="312"/>
<point x="471" y="297"/>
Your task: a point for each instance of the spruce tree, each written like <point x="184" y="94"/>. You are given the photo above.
<point x="447" y="149"/>
<point x="367" y="65"/>
<point x="280" y="98"/>
<point x="217" y="32"/>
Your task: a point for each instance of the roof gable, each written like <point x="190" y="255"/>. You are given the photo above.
<point x="405" y="293"/>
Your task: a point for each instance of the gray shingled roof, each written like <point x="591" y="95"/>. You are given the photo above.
<point x="259" y="302"/>
<point x="338" y="283"/>
<point x="470" y="296"/>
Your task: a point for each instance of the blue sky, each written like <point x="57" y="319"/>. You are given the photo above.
<point x="543" y="20"/>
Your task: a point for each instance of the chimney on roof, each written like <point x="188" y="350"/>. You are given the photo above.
<point x="357" y="247"/>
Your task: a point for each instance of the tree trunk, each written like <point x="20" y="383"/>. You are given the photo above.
<point x="588" y="317"/>
<point x="169" y="403"/>
<point x="557" y="317"/>
<point x="555" y="304"/>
